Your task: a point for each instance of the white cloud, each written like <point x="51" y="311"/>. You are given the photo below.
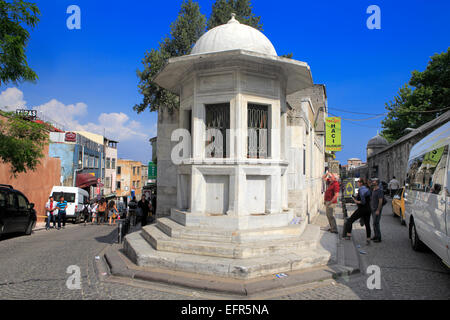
<point x="12" y="99"/>
<point x="117" y="126"/>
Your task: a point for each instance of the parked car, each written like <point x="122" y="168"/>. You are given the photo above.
<point x="398" y="205"/>
<point x="17" y="214"/>
<point x="75" y="197"/>
<point x="427" y="197"/>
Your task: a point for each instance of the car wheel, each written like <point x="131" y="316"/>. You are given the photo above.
<point x="416" y="244"/>
<point x="30" y="228"/>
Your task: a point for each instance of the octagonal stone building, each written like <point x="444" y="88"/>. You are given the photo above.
<point x="232" y="209"/>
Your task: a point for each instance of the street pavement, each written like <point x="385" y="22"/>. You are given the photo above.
<point x="34" y="267"/>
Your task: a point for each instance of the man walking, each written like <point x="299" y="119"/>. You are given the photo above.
<point x="144" y="205"/>
<point x="62" y="206"/>
<point x="50" y="207"/>
<point x="331" y="196"/>
<point x="376" y="204"/>
<point x="393" y="186"/>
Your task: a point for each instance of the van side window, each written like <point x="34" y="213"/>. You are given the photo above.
<point x="427" y="172"/>
<point x="2" y="199"/>
<point x="11" y="200"/>
<point x="23" y="203"/>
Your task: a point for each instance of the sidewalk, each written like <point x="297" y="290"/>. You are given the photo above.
<point x="343" y="262"/>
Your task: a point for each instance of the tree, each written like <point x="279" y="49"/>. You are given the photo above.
<point x="21" y="142"/>
<point x="15" y="16"/>
<point x="222" y="10"/>
<point x="185" y="32"/>
<point x="412" y="108"/>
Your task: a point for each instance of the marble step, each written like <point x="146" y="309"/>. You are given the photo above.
<point x="175" y="230"/>
<point x="143" y="254"/>
<point x="162" y="242"/>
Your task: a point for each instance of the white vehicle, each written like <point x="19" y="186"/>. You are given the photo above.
<point x="427" y="197"/>
<point x="75" y="197"/>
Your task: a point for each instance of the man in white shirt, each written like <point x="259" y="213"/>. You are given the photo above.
<point x="51" y="209"/>
<point x="393" y="186"/>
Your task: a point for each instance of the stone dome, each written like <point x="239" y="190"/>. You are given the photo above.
<point x="234" y="36"/>
<point x="377" y="141"/>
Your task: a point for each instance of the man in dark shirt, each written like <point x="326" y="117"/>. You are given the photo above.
<point x="376" y="204"/>
<point x="144" y="205"/>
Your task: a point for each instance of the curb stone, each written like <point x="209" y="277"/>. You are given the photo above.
<point x="118" y="267"/>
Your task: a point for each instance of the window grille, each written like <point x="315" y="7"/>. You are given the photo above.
<point x="217" y="123"/>
<point x="258" y="125"/>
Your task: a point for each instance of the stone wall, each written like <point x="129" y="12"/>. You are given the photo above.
<point x="167" y="170"/>
<point x="393" y="160"/>
<point x="35" y="185"/>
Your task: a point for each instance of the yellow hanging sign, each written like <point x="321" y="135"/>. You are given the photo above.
<point x="333" y="134"/>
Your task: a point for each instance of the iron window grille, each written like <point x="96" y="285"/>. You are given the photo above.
<point x="217" y="123"/>
<point x="258" y="133"/>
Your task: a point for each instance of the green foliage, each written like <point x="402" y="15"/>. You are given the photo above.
<point x="289" y="55"/>
<point x="185" y="31"/>
<point x="222" y="10"/>
<point x="14" y="38"/>
<point x="430" y="98"/>
<point x="21" y="143"/>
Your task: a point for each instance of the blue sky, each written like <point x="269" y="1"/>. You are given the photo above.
<point x="89" y="75"/>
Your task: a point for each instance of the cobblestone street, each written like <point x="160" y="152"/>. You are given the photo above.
<point x="35" y="267"/>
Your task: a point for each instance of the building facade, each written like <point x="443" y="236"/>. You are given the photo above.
<point x="129" y="180"/>
<point x="81" y="160"/>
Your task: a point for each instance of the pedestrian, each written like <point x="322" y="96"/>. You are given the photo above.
<point x="94" y="214"/>
<point x="86" y="211"/>
<point x="62" y="206"/>
<point x="393" y="186"/>
<point x="132" y="211"/>
<point x="363" y="211"/>
<point x="52" y="210"/>
<point x="101" y="211"/>
<point x="145" y="207"/>
<point x="376" y="204"/>
<point x="331" y="196"/>
<point x="112" y="212"/>
<point x="154" y="205"/>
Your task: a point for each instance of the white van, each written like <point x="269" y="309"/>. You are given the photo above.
<point x="427" y="197"/>
<point x="75" y="197"/>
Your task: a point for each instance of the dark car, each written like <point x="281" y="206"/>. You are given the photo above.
<point x="17" y="214"/>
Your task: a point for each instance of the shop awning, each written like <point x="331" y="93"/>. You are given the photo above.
<point x="85" y="180"/>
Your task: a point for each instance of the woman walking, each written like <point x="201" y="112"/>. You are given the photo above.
<point x="112" y="212"/>
<point x="101" y="211"/>
<point x="363" y="211"/>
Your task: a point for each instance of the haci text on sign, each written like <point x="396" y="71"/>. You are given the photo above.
<point x="333" y="134"/>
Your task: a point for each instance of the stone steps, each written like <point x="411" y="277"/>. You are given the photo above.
<point x="162" y="242"/>
<point x="143" y="254"/>
<point x="175" y="230"/>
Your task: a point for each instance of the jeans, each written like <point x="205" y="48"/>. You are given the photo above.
<point x="363" y="213"/>
<point x="50" y="217"/>
<point x="376" y="224"/>
<point x="61" y="216"/>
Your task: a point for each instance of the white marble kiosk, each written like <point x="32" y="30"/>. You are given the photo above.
<point x="232" y="203"/>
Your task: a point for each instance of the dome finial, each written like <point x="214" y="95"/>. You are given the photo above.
<point x="233" y="18"/>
